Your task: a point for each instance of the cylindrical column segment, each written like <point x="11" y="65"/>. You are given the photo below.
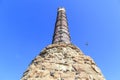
<point x="61" y="32"/>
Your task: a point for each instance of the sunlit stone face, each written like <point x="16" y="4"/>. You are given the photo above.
<point x="62" y="62"/>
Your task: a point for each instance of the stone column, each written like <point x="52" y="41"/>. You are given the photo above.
<point x="61" y="32"/>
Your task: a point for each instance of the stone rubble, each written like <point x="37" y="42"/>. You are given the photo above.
<point x="62" y="62"/>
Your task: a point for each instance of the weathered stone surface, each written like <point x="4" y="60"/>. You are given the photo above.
<point x="61" y="32"/>
<point x="62" y="62"/>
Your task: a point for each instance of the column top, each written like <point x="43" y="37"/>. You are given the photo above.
<point x="61" y="9"/>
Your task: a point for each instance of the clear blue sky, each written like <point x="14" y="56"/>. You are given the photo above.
<point x="26" y="27"/>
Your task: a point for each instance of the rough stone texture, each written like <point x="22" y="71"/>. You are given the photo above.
<point x="62" y="62"/>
